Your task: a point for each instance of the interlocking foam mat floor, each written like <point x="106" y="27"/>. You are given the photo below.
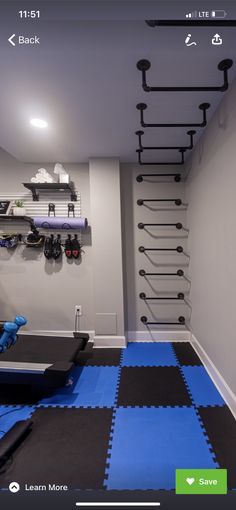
<point x="126" y="421"/>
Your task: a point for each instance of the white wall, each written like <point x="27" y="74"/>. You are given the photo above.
<point x="132" y="214"/>
<point x="211" y="192"/>
<point x="107" y="249"/>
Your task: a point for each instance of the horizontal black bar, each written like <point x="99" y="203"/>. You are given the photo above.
<point x="143" y="296"/>
<point x="180" y="272"/>
<point x="177" y="177"/>
<point x="191" y="23"/>
<point x="176" y="225"/>
<point x="150" y="148"/>
<point x="162" y="163"/>
<point x="179" y="249"/>
<point x="177" y="201"/>
<point x="224" y="66"/>
<point x="181" y="320"/>
<point x="142" y="106"/>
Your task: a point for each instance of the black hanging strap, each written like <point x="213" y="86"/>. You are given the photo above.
<point x="71" y="210"/>
<point x="51" y="209"/>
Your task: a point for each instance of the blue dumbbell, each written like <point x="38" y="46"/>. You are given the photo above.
<point x="9" y="332"/>
<point x="19" y="321"/>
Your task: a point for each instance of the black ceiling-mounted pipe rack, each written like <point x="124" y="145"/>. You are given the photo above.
<point x="144" y="320"/>
<point x="141" y="226"/>
<point x="150" y="148"/>
<point x="177" y="201"/>
<point x="144" y="65"/>
<point x="191" y="22"/>
<point x="140" y="177"/>
<point x="180" y="272"/>
<point x="179" y="249"/>
<point x="143" y="296"/>
<point x="181" y="162"/>
<point x="203" y="107"/>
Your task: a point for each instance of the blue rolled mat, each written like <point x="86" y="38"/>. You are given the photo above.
<point x="57" y="223"/>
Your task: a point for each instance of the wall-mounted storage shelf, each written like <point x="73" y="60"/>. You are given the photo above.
<point x="53" y="186"/>
<point x="13" y="218"/>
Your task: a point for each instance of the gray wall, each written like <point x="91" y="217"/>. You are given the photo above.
<point x="211" y="192"/>
<point x="132" y="214"/>
<point x="107" y="250"/>
<point x="44" y="291"/>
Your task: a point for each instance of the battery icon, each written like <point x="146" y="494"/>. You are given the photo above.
<point x="218" y="14"/>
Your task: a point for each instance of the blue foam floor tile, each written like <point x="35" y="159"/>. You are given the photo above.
<point x="202" y="388"/>
<point x="148" y="354"/>
<point x="9" y="415"/>
<point x="148" y="445"/>
<point x="96" y="387"/>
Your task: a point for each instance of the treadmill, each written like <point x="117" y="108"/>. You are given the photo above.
<point x="43" y="362"/>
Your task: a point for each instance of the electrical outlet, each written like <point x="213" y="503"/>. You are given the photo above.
<point x="78" y="310"/>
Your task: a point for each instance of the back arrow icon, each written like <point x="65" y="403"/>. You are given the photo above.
<point x="10" y="39"/>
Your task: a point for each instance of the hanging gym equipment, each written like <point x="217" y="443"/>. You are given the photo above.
<point x="142" y="148"/>
<point x="182" y="151"/>
<point x="177" y="201"/>
<point x="181" y="320"/>
<point x="71" y="210"/>
<point x="203" y="106"/>
<point x="144" y="65"/>
<point x="176" y="225"/>
<point x="51" y="209"/>
<point x="140" y="178"/>
<point x="143" y="296"/>
<point x="179" y="272"/>
<point x="142" y="249"/>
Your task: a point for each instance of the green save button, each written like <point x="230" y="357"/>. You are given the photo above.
<point x="201" y="481"/>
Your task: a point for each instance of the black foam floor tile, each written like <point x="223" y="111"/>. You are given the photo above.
<point x="152" y="386"/>
<point x="104" y="357"/>
<point x="220" y="427"/>
<point x="17" y="394"/>
<point x="185" y="354"/>
<point x="66" y="447"/>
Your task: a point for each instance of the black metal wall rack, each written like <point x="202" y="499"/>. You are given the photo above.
<point x="143" y="296"/>
<point x="142" y="249"/>
<point x="141" y="177"/>
<point x="142" y="201"/>
<point x="203" y="107"/>
<point x="12" y="218"/>
<point x="142" y="272"/>
<point x="144" y="320"/>
<point x="178" y="226"/>
<point x="54" y="186"/>
<point x="150" y="148"/>
<point x="162" y="163"/>
<point x="223" y="66"/>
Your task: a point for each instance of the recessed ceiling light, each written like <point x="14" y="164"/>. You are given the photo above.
<point x="39" y="123"/>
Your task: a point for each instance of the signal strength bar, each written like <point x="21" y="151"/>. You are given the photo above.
<point x="191" y="15"/>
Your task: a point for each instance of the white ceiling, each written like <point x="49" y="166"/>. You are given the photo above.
<point x="83" y="80"/>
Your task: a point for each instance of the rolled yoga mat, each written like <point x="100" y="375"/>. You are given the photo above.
<point x="57" y="222"/>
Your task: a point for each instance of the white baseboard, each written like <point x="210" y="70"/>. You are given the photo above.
<point x="159" y="336"/>
<point x="220" y="383"/>
<point x="109" y="341"/>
